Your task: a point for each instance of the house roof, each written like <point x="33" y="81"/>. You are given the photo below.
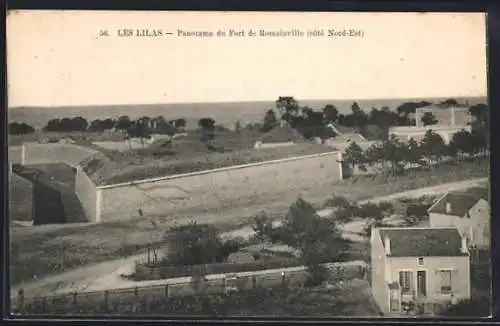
<point x="423" y="242"/>
<point x="460" y="202"/>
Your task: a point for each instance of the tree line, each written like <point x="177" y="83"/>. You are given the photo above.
<point x="307" y="121"/>
<point x="394" y="154"/>
<point x="78" y="124"/>
<point x="375" y="124"/>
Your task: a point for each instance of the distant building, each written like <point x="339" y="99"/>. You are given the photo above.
<point x="446" y="116"/>
<point x="469" y="211"/>
<point x="418" y="133"/>
<point x="421" y="265"/>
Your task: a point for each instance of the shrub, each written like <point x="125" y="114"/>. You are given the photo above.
<point x="479" y="307"/>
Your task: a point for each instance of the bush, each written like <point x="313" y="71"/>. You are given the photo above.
<point x="479" y="307"/>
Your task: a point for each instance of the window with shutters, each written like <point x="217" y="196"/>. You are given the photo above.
<point x="405" y="281"/>
<point x="445" y="276"/>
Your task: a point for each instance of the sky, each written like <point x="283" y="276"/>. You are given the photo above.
<point x="57" y="58"/>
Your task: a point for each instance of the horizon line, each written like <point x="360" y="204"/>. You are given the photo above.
<point x="250" y="101"/>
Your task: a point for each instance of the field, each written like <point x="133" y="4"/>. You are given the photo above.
<point x="53" y="249"/>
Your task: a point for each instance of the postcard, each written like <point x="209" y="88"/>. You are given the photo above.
<point x="271" y="164"/>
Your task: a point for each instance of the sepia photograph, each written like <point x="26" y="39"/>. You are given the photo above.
<point x="248" y="164"/>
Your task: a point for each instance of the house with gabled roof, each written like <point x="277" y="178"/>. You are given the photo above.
<point x="426" y="266"/>
<point x="468" y="210"/>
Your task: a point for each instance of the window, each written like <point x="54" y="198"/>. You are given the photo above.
<point x="486" y="231"/>
<point x="405" y="281"/>
<point x="445" y="280"/>
<point x="420" y="261"/>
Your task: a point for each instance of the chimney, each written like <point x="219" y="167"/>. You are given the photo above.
<point x="448" y="207"/>
<point x="452" y="116"/>
<point x="387" y="245"/>
<point x="463" y="248"/>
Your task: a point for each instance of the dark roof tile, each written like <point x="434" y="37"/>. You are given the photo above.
<point x="460" y="202"/>
<point x="423" y="242"/>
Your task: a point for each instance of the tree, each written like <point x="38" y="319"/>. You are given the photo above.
<point x="180" y="123"/>
<point x="20" y="128"/>
<point x="407" y="108"/>
<point x="67" y="124"/>
<point x="263" y="227"/>
<point x="310" y="124"/>
<point x="463" y="142"/>
<point x="375" y="154"/>
<point x="163" y="127"/>
<point x="432" y="146"/>
<point x="207" y="128"/>
<point x="237" y="126"/>
<point x="354" y="156"/>
<point x="123" y="123"/>
<point x="449" y="102"/>
<point x="297" y="221"/>
<point x="330" y="113"/>
<point x="52" y="125"/>
<point x="287" y="106"/>
<point x="193" y="244"/>
<point x="394" y="152"/>
<point x="78" y="124"/>
<point x="318" y="239"/>
<point x="270" y="121"/>
<point x="359" y="117"/>
<point x="429" y="119"/>
<point x="479" y="111"/>
<point x="100" y="125"/>
<point x="413" y="153"/>
<point x="383" y="119"/>
<point x="141" y="128"/>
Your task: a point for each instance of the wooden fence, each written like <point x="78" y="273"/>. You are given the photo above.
<point x="140" y="296"/>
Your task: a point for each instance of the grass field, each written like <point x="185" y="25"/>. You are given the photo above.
<point x="53" y="249"/>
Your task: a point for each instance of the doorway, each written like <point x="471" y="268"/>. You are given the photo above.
<point x="421" y="284"/>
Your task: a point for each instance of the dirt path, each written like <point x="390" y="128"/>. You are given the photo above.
<point x="81" y="278"/>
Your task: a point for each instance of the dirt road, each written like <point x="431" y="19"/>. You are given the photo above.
<point x="81" y="278"/>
